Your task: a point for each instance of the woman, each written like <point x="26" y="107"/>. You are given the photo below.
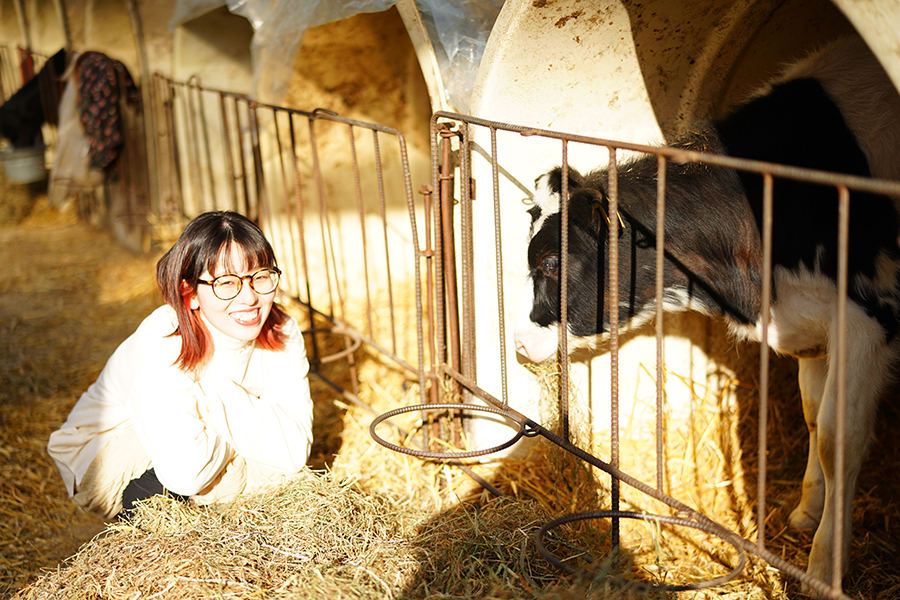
<point x="209" y="397"/>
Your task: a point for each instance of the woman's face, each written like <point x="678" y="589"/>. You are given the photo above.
<point x="241" y="317"/>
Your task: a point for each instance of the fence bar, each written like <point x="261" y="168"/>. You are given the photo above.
<point x="447" y="263"/>
<point x="840" y="409"/>
<point x="498" y="254"/>
<point x="467" y="349"/>
<point x="564" y="296"/>
<point x="614" y="335"/>
<point x="765" y="309"/>
<point x="660" y="345"/>
<point x="384" y="229"/>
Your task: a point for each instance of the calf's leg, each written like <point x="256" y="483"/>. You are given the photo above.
<point x="812" y="375"/>
<point x="869" y="363"/>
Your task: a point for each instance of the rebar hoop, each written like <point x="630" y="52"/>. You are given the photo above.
<point x="446" y="455"/>
<point x="610" y="514"/>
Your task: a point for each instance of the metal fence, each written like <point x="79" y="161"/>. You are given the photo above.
<point x="16" y="67"/>
<point x="472" y="296"/>
<point x="335" y="198"/>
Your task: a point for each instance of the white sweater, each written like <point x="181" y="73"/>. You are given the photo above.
<point x="246" y="401"/>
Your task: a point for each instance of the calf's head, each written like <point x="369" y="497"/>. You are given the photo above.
<point x="712" y="261"/>
<point x="588" y="302"/>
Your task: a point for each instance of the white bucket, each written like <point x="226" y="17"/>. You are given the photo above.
<point x="24" y="165"/>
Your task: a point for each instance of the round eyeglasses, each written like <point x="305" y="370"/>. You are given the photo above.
<point x="229" y="286"/>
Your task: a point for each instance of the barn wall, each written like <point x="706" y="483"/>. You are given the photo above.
<point x="46" y="32"/>
<point x="9" y="22"/>
<point x="217" y="38"/>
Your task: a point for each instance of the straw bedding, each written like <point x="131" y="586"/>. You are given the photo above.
<point x="365" y="522"/>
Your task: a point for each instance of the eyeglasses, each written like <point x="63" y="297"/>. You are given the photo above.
<point x="229" y="286"/>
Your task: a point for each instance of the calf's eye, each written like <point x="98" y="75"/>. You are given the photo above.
<point x="550" y="266"/>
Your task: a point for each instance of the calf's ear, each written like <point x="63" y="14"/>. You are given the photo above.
<point x="590" y="209"/>
<point x="555" y="180"/>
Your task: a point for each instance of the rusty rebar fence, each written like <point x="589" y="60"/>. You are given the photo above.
<point x="16" y="67"/>
<point x="335" y="198"/>
<point x="481" y="372"/>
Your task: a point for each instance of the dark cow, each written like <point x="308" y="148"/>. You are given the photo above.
<point x="22" y="116"/>
<point x="836" y="110"/>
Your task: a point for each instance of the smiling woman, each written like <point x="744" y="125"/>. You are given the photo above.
<point x="209" y="398"/>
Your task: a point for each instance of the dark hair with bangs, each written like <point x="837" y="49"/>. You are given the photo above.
<point x="203" y="242"/>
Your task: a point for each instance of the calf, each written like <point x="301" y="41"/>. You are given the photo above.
<point x="836" y="111"/>
<point x="22" y="116"/>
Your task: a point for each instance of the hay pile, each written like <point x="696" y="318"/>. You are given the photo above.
<point x="316" y="537"/>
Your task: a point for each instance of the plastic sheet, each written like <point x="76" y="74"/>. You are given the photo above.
<point x="278" y="28"/>
<point x="458" y="29"/>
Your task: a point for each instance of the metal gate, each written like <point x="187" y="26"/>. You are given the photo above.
<point x="334" y="196"/>
<point x="470" y="296"/>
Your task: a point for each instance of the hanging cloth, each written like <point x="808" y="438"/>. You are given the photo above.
<point x="98" y="101"/>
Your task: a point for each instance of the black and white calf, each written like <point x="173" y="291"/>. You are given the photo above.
<point x="835" y="111"/>
<point x="22" y="115"/>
